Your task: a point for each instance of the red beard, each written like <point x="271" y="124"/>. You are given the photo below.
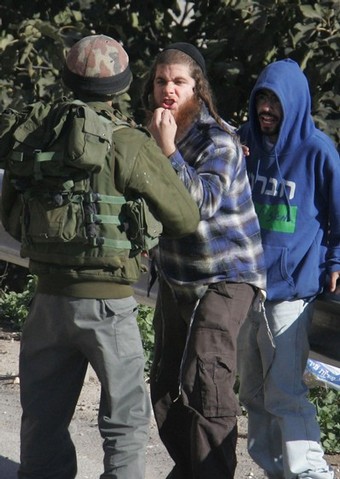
<point x="186" y="115"/>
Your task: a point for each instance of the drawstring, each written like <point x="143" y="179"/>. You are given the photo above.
<point x="261" y="309"/>
<point x="257" y="170"/>
<point x="284" y="187"/>
<point x="270" y="334"/>
<point x="258" y="306"/>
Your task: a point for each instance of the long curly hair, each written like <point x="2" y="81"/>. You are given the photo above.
<point x="202" y="89"/>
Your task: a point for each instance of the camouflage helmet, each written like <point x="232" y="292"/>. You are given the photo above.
<point x="97" y="65"/>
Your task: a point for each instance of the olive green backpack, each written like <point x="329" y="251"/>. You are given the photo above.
<point x="52" y="151"/>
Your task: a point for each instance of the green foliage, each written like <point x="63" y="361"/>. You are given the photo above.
<point x="238" y="38"/>
<point x="242" y="36"/>
<point x="14" y="306"/>
<point x="144" y="320"/>
<point x="327" y="403"/>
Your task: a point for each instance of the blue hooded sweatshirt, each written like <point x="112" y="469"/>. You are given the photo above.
<point x="296" y="189"/>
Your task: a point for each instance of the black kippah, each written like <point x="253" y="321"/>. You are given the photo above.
<point x="189" y="50"/>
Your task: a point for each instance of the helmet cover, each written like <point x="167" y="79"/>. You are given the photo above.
<point x="97" y="64"/>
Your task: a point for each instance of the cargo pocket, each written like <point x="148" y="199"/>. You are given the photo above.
<point x="216" y="386"/>
<point x="128" y="342"/>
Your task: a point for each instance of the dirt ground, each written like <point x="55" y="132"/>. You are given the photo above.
<point x="84" y="428"/>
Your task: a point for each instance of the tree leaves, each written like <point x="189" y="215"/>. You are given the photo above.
<point x="238" y="38"/>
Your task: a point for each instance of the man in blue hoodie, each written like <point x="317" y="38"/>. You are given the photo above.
<point x="294" y="171"/>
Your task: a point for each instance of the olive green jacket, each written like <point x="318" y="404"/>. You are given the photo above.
<point x="135" y="167"/>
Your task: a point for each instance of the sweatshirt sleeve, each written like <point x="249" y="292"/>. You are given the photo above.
<point x="153" y="177"/>
<point x="331" y="172"/>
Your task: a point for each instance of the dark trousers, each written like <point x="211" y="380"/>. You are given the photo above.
<point x="193" y="376"/>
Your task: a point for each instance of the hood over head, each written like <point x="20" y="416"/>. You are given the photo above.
<point x="286" y="79"/>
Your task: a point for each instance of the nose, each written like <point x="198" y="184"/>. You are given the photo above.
<point x="168" y="87"/>
<point x="266" y="104"/>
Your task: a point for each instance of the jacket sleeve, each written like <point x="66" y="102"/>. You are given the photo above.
<point x="10" y="208"/>
<point x="151" y="176"/>
<point x="331" y="177"/>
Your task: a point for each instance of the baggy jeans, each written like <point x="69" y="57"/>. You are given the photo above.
<point x="283" y="433"/>
<point x="60" y="337"/>
<point x="193" y="376"/>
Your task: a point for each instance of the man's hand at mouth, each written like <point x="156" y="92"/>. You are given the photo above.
<point x="163" y="128"/>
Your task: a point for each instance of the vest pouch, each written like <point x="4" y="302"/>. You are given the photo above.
<point x="29" y="136"/>
<point x="45" y="222"/>
<point x="12" y="133"/>
<point x="89" y="140"/>
<point x="143" y="229"/>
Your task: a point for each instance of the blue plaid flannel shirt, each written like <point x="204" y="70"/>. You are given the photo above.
<point x="227" y="243"/>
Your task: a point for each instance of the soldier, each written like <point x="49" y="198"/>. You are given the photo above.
<point x="84" y="310"/>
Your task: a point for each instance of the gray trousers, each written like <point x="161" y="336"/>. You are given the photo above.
<point x="283" y="433"/>
<point x="60" y="337"/>
<point x="193" y="376"/>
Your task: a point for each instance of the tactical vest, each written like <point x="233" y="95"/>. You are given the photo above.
<point x="70" y="212"/>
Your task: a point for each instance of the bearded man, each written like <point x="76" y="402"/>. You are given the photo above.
<point x="209" y="280"/>
<point x="294" y="172"/>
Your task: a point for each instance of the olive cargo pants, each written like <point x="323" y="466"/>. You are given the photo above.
<point x="193" y="377"/>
